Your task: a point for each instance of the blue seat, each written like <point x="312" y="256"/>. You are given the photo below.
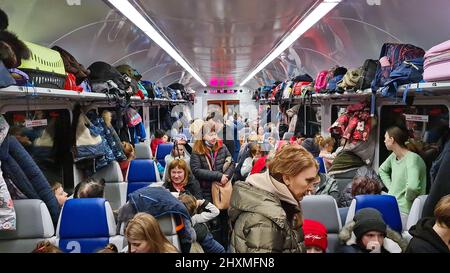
<point x="161" y="151"/>
<point x="87" y="225"/>
<point x="141" y="173"/>
<point x="322" y="168"/>
<point x="386" y="204"/>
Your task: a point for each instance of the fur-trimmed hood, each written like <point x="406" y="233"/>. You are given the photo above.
<point x="393" y="242"/>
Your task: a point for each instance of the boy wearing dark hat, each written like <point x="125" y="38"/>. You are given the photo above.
<point x="315" y="234"/>
<point x="368" y="233"/>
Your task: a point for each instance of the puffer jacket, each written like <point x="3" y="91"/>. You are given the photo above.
<point x="259" y="222"/>
<point x="201" y="171"/>
<point x="393" y="242"/>
<point x="327" y="186"/>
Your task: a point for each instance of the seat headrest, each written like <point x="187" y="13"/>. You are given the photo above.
<point x="163" y="149"/>
<point x="386" y="204"/>
<point x="142" y="151"/>
<point x="111" y="173"/>
<point x="32" y="221"/>
<point x="322" y="208"/>
<point x="415" y="214"/>
<point x="142" y="170"/>
<point x="86" y="218"/>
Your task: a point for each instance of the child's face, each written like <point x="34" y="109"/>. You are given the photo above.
<point x="61" y="196"/>
<point x="165" y="138"/>
<point x="313" y="249"/>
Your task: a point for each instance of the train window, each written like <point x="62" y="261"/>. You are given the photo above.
<point x="425" y="123"/>
<point x="313" y="120"/>
<point x="44" y="134"/>
<point x="336" y="111"/>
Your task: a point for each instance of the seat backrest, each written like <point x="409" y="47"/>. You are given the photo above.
<point x="115" y="187"/>
<point x="162" y="150"/>
<point x="33" y="224"/>
<point x="386" y="204"/>
<point x="87" y="225"/>
<point x="142" y="151"/>
<point x="322" y="168"/>
<point x="415" y="214"/>
<point x="141" y="173"/>
<point x="323" y="208"/>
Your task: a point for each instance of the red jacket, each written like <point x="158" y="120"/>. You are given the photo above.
<point x="154" y="144"/>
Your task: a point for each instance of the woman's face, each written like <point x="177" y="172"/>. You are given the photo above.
<point x="302" y="183"/>
<point x="388" y="141"/>
<point x="211" y="138"/>
<point x="138" y="246"/>
<point x="177" y="175"/>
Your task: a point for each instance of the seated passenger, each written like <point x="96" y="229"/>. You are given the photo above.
<point x="177" y="152"/>
<point x="159" y="134"/>
<point x="359" y="185"/>
<point x="179" y="179"/>
<point x="432" y="234"/>
<point x="201" y="211"/>
<point x="46" y="246"/>
<point x="326" y="147"/>
<point x="60" y="194"/>
<point x="368" y="233"/>
<point x="90" y="188"/>
<point x="255" y="154"/>
<point x="144" y="235"/>
<point x="315" y="234"/>
<point x="129" y="153"/>
<point x="327" y="186"/>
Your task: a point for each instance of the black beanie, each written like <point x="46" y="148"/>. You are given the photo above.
<point x="368" y="219"/>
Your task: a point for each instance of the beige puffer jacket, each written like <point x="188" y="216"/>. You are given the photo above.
<point x="259" y="222"/>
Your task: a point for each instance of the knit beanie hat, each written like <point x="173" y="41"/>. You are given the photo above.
<point x="368" y="219"/>
<point x="315" y="234"/>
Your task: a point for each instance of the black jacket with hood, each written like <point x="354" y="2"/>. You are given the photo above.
<point x="425" y="239"/>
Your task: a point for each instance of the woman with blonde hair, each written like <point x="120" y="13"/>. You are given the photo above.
<point x="129" y="153"/>
<point x="209" y="162"/>
<point x="265" y="211"/>
<point x="326" y="145"/>
<point x="179" y="179"/>
<point x="144" y="235"/>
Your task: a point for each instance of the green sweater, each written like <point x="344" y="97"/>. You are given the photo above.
<point x="404" y="178"/>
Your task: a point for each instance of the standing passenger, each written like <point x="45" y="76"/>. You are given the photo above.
<point x="207" y="162"/>
<point x="265" y="211"/>
<point x="403" y="172"/>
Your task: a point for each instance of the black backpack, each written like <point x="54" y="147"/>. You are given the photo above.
<point x="102" y="72"/>
<point x="369" y="70"/>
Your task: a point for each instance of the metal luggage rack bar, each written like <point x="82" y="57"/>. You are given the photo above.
<point x="414" y="89"/>
<point x="15" y="92"/>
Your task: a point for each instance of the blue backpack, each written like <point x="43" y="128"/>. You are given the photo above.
<point x="410" y="71"/>
<point x="332" y="83"/>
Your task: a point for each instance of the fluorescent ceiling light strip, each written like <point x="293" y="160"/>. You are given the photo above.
<point x="136" y="18"/>
<point x="318" y="13"/>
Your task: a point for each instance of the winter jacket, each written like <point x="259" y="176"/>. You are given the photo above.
<point x="425" y="239"/>
<point x="20" y="167"/>
<point x="393" y="242"/>
<point x="354" y="124"/>
<point x="327" y="186"/>
<point x="201" y="171"/>
<point x="259" y="222"/>
<point x="440" y="186"/>
<point x="206" y="212"/>
<point x="192" y="187"/>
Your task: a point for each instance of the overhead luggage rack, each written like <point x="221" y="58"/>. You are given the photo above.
<point x="426" y="89"/>
<point x="14" y="92"/>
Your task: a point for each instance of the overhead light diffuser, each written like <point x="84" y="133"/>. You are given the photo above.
<point x="136" y="18"/>
<point x="312" y="18"/>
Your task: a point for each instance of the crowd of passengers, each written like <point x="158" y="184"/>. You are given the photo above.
<point x="270" y="177"/>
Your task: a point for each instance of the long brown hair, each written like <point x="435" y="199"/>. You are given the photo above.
<point x="145" y="227"/>
<point x="291" y="160"/>
<point x="180" y="163"/>
<point x="199" y="145"/>
<point x="442" y="211"/>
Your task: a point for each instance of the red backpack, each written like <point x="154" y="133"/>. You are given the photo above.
<point x="321" y="81"/>
<point x="298" y="86"/>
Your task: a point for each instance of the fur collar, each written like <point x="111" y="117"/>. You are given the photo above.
<point x="393" y="242"/>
